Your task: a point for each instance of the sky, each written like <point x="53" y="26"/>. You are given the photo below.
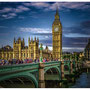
<point x="30" y="19"/>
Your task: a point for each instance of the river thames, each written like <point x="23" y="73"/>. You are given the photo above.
<point x="83" y="81"/>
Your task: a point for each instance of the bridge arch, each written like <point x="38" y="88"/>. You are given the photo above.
<point x="55" y="67"/>
<point x="29" y="76"/>
<point x="66" y="67"/>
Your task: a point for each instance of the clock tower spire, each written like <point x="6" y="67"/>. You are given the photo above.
<point x="57" y="14"/>
<point x="57" y="36"/>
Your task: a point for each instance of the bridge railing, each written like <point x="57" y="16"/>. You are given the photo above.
<point x="18" y="67"/>
<point x="52" y="62"/>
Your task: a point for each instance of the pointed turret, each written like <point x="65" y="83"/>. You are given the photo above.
<point x="31" y="39"/>
<point x="35" y="39"/>
<point x="57" y="14"/>
<point x="57" y="19"/>
<point x="23" y="39"/>
<point x="46" y="47"/>
<point x="19" y="40"/>
<point x="23" y="42"/>
<point x="38" y="40"/>
<point x="14" y="40"/>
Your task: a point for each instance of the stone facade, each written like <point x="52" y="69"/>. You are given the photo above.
<point x="57" y="37"/>
<point x="20" y="51"/>
<point x="6" y="52"/>
<point x="87" y="51"/>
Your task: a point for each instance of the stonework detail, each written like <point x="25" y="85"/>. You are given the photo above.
<point x="57" y="37"/>
<point x="20" y="51"/>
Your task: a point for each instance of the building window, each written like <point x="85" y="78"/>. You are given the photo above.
<point x="31" y="55"/>
<point x="24" y="54"/>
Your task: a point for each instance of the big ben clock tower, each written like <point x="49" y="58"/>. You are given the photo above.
<point x="57" y="37"/>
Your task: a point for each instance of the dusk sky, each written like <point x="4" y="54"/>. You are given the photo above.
<point x="30" y="19"/>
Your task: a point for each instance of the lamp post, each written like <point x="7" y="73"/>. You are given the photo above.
<point x="70" y="57"/>
<point x="75" y="57"/>
<point x="41" y="49"/>
<point x="41" y="70"/>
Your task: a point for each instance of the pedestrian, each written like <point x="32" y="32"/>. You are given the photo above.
<point x="11" y="62"/>
<point x="17" y="61"/>
<point x="21" y="61"/>
<point x="38" y="60"/>
<point x="27" y="61"/>
<point x="35" y="60"/>
<point x="2" y="62"/>
<point x="43" y="60"/>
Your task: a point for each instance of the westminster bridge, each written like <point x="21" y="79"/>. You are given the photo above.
<point x="37" y="73"/>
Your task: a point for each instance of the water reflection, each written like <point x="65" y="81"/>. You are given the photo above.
<point x="83" y="81"/>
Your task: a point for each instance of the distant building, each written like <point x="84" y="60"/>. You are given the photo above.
<point x="66" y="55"/>
<point x="87" y="51"/>
<point x="20" y="51"/>
<point x="6" y="52"/>
<point x="81" y="54"/>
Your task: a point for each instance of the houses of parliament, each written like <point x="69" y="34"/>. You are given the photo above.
<point x="32" y="51"/>
<point x="20" y="51"/>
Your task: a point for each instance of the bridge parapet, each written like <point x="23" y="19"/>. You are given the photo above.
<point x="56" y="63"/>
<point x="86" y="64"/>
<point x="19" y="67"/>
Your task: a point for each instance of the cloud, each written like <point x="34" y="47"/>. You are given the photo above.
<point x="5" y="10"/>
<point x="75" y="41"/>
<point x="36" y="30"/>
<point x="80" y="30"/>
<point x="66" y="49"/>
<point x="68" y="5"/>
<point x="3" y="27"/>
<point x="37" y="4"/>
<point x="4" y="34"/>
<point x="61" y="5"/>
<point x="21" y="9"/>
<point x="85" y="24"/>
<point x="9" y="13"/>
<point x="21" y="17"/>
<point x="18" y="9"/>
<point x="76" y="35"/>
<point x="72" y="49"/>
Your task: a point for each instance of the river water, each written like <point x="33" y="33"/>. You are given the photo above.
<point x="83" y="81"/>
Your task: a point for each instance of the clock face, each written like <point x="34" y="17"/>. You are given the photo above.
<point x="56" y="29"/>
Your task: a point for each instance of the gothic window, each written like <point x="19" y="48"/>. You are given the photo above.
<point x="24" y="54"/>
<point x="31" y="55"/>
